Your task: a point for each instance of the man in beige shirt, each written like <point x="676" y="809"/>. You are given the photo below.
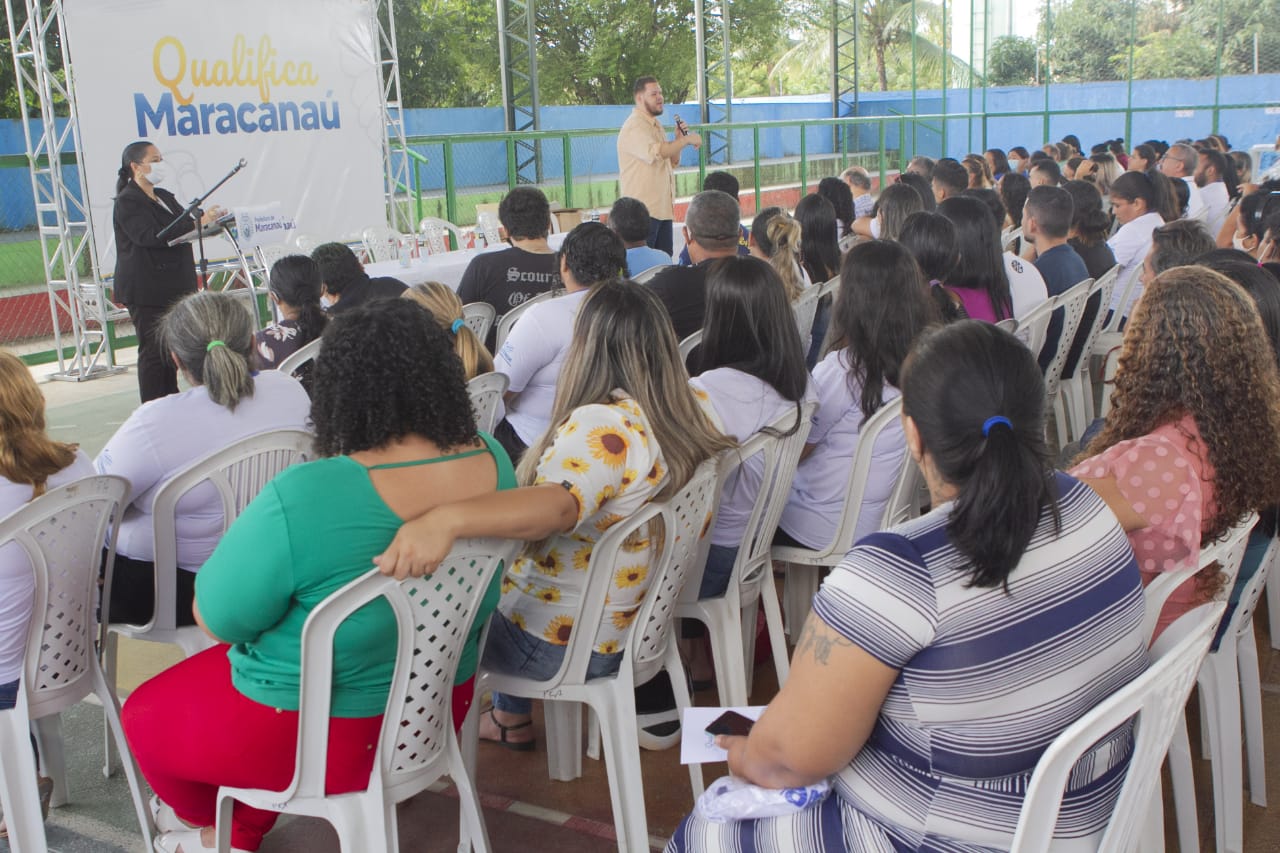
<point x="646" y="161"/>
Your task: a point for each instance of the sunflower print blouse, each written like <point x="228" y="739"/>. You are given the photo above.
<point x="605" y="457"/>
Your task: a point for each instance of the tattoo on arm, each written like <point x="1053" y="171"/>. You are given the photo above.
<point x="819" y="645"/>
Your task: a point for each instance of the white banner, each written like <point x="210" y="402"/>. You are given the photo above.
<point x="291" y="86"/>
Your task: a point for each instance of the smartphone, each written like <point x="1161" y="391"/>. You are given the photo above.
<point x="730" y="723"/>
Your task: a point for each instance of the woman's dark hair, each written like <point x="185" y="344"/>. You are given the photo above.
<point x="818" y="244"/>
<point x="992" y="201"/>
<point x="931" y="239"/>
<point x="1181" y="193"/>
<point x="1147" y="153"/>
<point x="1023" y="153"/>
<point x="295" y="280"/>
<point x="751" y="327"/>
<point x="838" y="193"/>
<point x="1260" y="209"/>
<point x="981" y="265"/>
<point x="365" y="393"/>
<point x="339" y="266"/>
<point x="1013" y="192"/>
<point x="1260" y="284"/>
<point x="133" y="153"/>
<point x="895" y="204"/>
<point x="760" y="229"/>
<point x="1072" y="140"/>
<point x="880" y="308"/>
<point x="999" y="162"/>
<point x="923" y="188"/>
<point x="955" y="381"/>
<point x="1151" y="186"/>
<point x="1090" y="221"/>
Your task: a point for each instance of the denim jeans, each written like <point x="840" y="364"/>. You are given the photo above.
<point x="8" y="695"/>
<point x="715" y="577"/>
<point x="513" y="651"/>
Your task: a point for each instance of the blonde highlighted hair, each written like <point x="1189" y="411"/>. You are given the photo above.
<point x="445" y="306"/>
<point x="784" y="236"/>
<point x="27" y="454"/>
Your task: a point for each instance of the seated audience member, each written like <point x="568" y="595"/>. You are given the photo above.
<point x="345" y="284"/>
<point x="1179" y="164"/>
<point x="533" y="355"/>
<point x="878" y="690"/>
<point x="980" y="279"/>
<point x="838" y="193"/>
<point x="1143" y="158"/>
<point x="1137" y="199"/>
<point x="710" y="232"/>
<point x="1045" y="173"/>
<point x="1216" y="177"/>
<point x="1255" y="215"/>
<point x="979" y="172"/>
<point x="895" y="204"/>
<point x="1243" y="165"/>
<point x="1026" y="286"/>
<point x="859" y="183"/>
<point x="997" y="163"/>
<point x="623" y="406"/>
<point x="1179" y="198"/>
<point x="1105" y="171"/>
<point x="775" y="237"/>
<point x="1019" y="160"/>
<point x="923" y="186"/>
<point x="394" y="435"/>
<point x="1188" y="446"/>
<point x="295" y="287"/>
<point x="882" y="305"/>
<point x="819" y="248"/>
<point x="725" y="183"/>
<point x="445" y="308"/>
<point x="210" y="336"/>
<point x="931" y="240"/>
<point x="950" y="178"/>
<point x="1116" y="149"/>
<point x="528" y="268"/>
<point x="1175" y="244"/>
<point x="921" y="165"/>
<point x="1071" y="170"/>
<point x="1013" y="194"/>
<point x="1090" y="228"/>
<point x="629" y="218"/>
<point x="31" y="464"/>
<point x="1046" y="222"/>
<point x="1073" y="145"/>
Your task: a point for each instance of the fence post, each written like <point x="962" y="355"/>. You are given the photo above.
<point x="804" y="163"/>
<point x="567" y="145"/>
<point x="450" y="185"/>
<point x="511" y="163"/>
<point x="883" y="176"/>
<point x="755" y="163"/>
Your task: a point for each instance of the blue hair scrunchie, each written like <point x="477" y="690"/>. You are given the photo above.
<point x="993" y="421"/>
<point x="457" y="324"/>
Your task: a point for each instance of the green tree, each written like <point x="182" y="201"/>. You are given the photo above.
<point x="1171" y="54"/>
<point x="448" y="52"/>
<point x="1011" y="61"/>
<point x="1083" y="37"/>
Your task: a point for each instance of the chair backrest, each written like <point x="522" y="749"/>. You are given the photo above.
<point x="487" y="224"/>
<point x="508" y="320"/>
<point x="268" y="255"/>
<point x="96" y="306"/>
<point x="303" y="354"/>
<point x="238" y="472"/>
<point x="806" y="308"/>
<point x="1227" y="552"/>
<point x="486" y="392"/>
<point x="1009" y="324"/>
<point x="1099" y="295"/>
<point x="1034" y="325"/>
<point x="1156" y="699"/>
<point x="689" y="344"/>
<point x="381" y="242"/>
<point x="305" y="243"/>
<point x="780" y="453"/>
<point x="62" y="532"/>
<point x="828" y="287"/>
<point x="434" y="615"/>
<point x="479" y="317"/>
<point x="435" y="233"/>
<point x="646" y="275"/>
<point x="1243" y="614"/>
<point x="1071" y="308"/>
<point x="1008" y="238"/>
<point x="1127" y="286"/>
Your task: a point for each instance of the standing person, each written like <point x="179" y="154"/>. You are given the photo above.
<point x="150" y="274"/>
<point x="647" y="160"/>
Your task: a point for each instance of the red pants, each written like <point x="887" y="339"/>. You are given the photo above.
<point x="191" y="731"/>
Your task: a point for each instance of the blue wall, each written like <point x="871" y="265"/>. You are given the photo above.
<point x="485" y="164"/>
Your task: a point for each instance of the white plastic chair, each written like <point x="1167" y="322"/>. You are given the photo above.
<point x="1155" y="699"/>
<point x="302" y="355"/>
<point x="1033" y="326"/>
<point x="647" y="649"/>
<point x="1229" y="688"/>
<point x="381" y="243"/>
<point x="806" y="308"/>
<point x="487" y="224"/>
<point x="486" y="392"/>
<point x="238" y="472"/>
<point x="305" y="243"/>
<point x="731" y="618"/>
<point x="416" y="745"/>
<point x="1071" y="304"/>
<point x="435" y="234"/>
<point x="62" y="533"/>
<point x="508" y="321"/>
<point x="268" y="255"/>
<point x="802" y="575"/>
<point x="479" y="317"/>
<point x="689" y="344"/>
<point x="1076" y="388"/>
<point x="1008" y="324"/>
<point x="1008" y="238"/>
<point x="647" y="275"/>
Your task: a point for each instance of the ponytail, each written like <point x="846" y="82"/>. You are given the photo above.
<point x="296" y="280"/>
<point x="475" y="357"/>
<point x="445" y="308"/>
<point x="211" y="334"/>
<point x="133" y="153"/>
<point x="784" y="236"/>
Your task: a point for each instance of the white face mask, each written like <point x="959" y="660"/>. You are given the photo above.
<point x="326" y="302"/>
<point x="1238" y="242"/>
<point x="1015" y="165"/>
<point x="158" y="174"/>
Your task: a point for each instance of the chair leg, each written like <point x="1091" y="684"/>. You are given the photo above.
<point x="1251" y="708"/>
<point x="564" y="739"/>
<point x="777" y="639"/>
<point x="111" y="712"/>
<point x="622" y="762"/>
<point x="1184" y="789"/>
<point x="798" y="590"/>
<point x="472" y="833"/>
<point x="1273" y="608"/>
<point x="675" y="671"/>
<point x="18" y="791"/>
<point x="222" y="823"/>
<point x="593" y="734"/>
<point x="748" y="622"/>
<point x="53" y="758"/>
<point x="109" y="655"/>
<point x="726" y="654"/>
<point x="1220" y="687"/>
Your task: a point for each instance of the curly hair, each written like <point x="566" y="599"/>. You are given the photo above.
<point x="1195" y="345"/>
<point x="387" y="370"/>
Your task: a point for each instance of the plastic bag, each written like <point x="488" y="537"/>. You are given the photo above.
<point x="730" y="798"/>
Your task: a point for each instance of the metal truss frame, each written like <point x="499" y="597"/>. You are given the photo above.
<point x="395" y="147"/>
<point x="715" y="75"/>
<point x="844" y="57"/>
<point x="518" y="55"/>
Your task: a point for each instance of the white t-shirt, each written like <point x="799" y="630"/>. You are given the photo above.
<point x="531" y="359"/>
<point x="1196" y="207"/>
<point x="1026" y="285"/>
<point x="745" y="405"/>
<point x="813" y="509"/>
<point x="166" y="435"/>
<point x="1130" y="246"/>
<point x="1217" y="204"/>
<point x="17" y="585"/>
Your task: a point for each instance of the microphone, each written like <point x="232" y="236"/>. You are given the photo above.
<point x="243" y="162"/>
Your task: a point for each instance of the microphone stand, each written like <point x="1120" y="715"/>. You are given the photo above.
<point x="195" y="214"/>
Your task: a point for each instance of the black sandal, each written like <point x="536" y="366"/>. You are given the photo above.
<point x="513" y="745"/>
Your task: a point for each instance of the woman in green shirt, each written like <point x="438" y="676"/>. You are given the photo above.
<point x="396" y="436"/>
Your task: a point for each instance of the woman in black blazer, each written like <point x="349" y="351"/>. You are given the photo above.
<point x="150" y="275"/>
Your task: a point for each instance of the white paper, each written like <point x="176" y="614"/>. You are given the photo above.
<point x="698" y="747"/>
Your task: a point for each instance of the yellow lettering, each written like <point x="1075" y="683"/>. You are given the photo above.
<point x="157" y="62"/>
<point x="243" y="67"/>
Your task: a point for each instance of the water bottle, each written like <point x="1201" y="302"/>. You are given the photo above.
<point x="406" y="252"/>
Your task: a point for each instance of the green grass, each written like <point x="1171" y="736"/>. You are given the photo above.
<point x="21" y="264"/>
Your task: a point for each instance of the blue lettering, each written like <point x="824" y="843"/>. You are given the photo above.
<point x="310" y="116"/>
<point x="206" y="110"/>
<point x="188" y="120"/>
<point x="268" y="120"/>
<point x="227" y="118"/>
<point x="226" y="122"/>
<point x="287" y="109"/>
<point x="330" y="123"/>
<point x="246" y="125"/>
<point x="146" y="115"/>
